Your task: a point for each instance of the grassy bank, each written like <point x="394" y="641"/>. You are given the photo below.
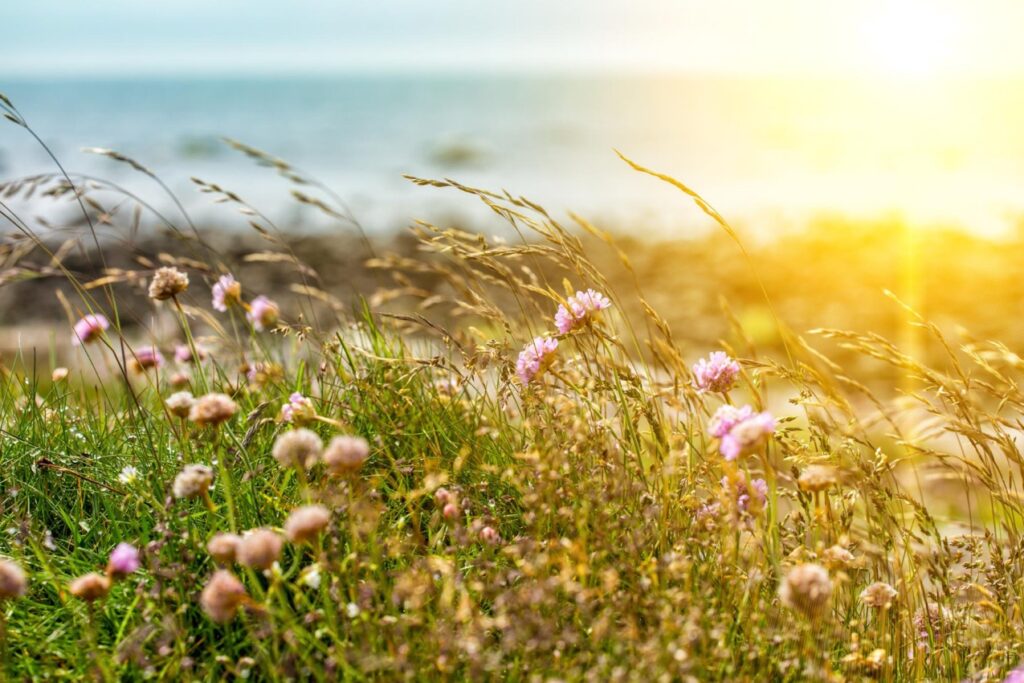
<point x="518" y="475"/>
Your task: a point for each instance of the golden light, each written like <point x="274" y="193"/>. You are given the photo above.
<point x="910" y="38"/>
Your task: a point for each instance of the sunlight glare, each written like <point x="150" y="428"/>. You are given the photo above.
<point x="910" y="38"/>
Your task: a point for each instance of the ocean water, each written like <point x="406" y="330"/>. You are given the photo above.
<point x="767" y="154"/>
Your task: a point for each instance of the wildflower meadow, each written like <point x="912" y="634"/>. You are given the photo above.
<point x="518" y="472"/>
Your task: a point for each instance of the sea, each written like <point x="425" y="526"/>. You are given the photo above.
<point x="770" y="155"/>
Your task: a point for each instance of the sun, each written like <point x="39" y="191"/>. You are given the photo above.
<point x="909" y="38"/>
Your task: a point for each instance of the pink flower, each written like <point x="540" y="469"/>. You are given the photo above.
<point x="89" y="328"/>
<point x="226" y="291"/>
<point x="716" y="373"/>
<point x="1015" y="676"/>
<point x="744" y="494"/>
<point x="583" y="307"/>
<point x="183" y="353"/>
<point x="262" y="313"/>
<point x="740" y="430"/>
<point x="146" y="358"/>
<point x="123" y="560"/>
<point x="298" y="410"/>
<point x="535" y="358"/>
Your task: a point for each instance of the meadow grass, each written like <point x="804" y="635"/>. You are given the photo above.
<point x="542" y="487"/>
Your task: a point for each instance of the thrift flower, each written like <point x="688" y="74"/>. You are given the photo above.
<point x="222" y="596"/>
<point x="180" y="403"/>
<point x="879" y="595"/>
<point x="298" y="410"/>
<point x="298" y="448"/>
<point x="259" y="549"/>
<point x="535" y="358"/>
<point x="817" y="478"/>
<point x="223" y="546"/>
<point x="749" y="498"/>
<point x="123" y="561"/>
<point x="90" y="587"/>
<point x="306" y="523"/>
<point x="146" y="358"/>
<point x="183" y="353"/>
<point x="262" y="313"/>
<point x="346" y="454"/>
<point x="226" y="291"/>
<point x="740" y="430"/>
<point x="580" y="309"/>
<point x="212" y="410"/>
<point x="807" y="589"/>
<point x="89" y="328"/>
<point x="193" y="481"/>
<point x="13" y="583"/>
<point x="716" y="373"/>
<point x="167" y="283"/>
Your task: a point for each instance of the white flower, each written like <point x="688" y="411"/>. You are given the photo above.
<point x="352" y="610"/>
<point x="128" y="476"/>
<point x="311" y="576"/>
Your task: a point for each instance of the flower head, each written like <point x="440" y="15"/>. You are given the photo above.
<point x="226" y="291"/>
<point x="13" y="583"/>
<point x="299" y="448"/>
<point x="89" y="328"/>
<point x="716" y="373"/>
<point x="180" y="403"/>
<point x="146" y="358"/>
<point x="817" y="478"/>
<point x="837" y="557"/>
<point x="212" y="410"/>
<point x="807" y="589"/>
<point x="90" y="587"/>
<point x="193" y="481"/>
<point x="535" y="358"/>
<point x="346" y="454"/>
<point x="740" y="430"/>
<point x="580" y="309"/>
<point x="167" y="283"/>
<point x="183" y="353"/>
<point x="259" y="549"/>
<point x="128" y="475"/>
<point x="879" y="595"/>
<point x="222" y="596"/>
<point x="306" y="523"/>
<point x="223" y="546"/>
<point x="298" y="410"/>
<point x="748" y="498"/>
<point x="123" y="561"/>
<point x="262" y="313"/>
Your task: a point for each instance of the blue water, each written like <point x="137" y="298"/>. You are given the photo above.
<point x="770" y="154"/>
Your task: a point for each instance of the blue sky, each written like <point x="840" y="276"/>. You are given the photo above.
<point x="735" y="36"/>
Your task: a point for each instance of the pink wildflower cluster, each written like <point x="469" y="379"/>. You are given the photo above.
<point x="226" y="291"/>
<point x="716" y="373"/>
<point x="124" y="560"/>
<point x="298" y="410"/>
<point x="183" y="353"/>
<point x="749" y="497"/>
<point x="582" y="308"/>
<point x="89" y="328"/>
<point x="740" y="431"/>
<point x="535" y="358"/>
<point x="146" y="358"/>
<point x="262" y="313"/>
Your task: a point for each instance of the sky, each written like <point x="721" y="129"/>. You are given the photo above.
<point x="780" y="37"/>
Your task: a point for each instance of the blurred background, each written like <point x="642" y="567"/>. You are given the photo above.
<point x="858" y="146"/>
<point x="777" y="112"/>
